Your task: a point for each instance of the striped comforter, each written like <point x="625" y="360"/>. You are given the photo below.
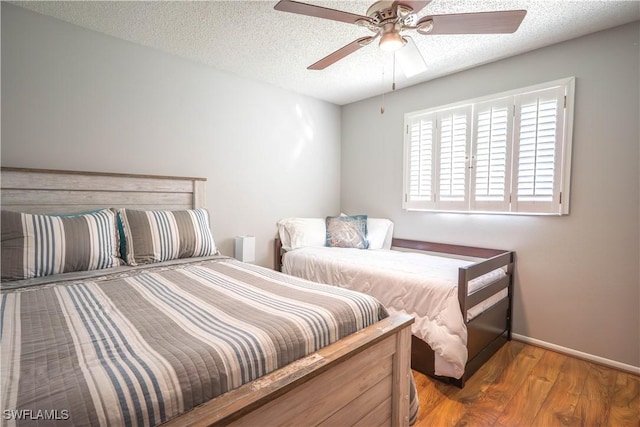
<point x="140" y="347"/>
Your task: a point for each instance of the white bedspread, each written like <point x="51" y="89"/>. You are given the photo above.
<point x="423" y="286"/>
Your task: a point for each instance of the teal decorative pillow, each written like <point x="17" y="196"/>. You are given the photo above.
<point x="347" y="231"/>
<point x="156" y="236"/>
<point x="42" y="245"/>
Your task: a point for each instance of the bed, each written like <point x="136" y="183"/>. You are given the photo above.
<point x="180" y="335"/>
<point x="460" y="296"/>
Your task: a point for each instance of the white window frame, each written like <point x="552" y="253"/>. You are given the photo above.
<point x="483" y="194"/>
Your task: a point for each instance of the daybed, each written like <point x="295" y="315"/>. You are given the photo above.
<point x="460" y="296"/>
<point x="180" y="335"/>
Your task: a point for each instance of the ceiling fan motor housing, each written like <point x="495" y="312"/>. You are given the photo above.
<point x="384" y="13"/>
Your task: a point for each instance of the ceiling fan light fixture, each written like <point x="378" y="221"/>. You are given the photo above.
<point x="391" y="41"/>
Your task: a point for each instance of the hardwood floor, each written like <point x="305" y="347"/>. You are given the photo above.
<point x="523" y="385"/>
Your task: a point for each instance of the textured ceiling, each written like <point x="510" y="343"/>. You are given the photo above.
<point x="251" y="39"/>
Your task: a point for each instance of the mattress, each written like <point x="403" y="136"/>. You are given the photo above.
<point x="421" y="285"/>
<point x="139" y="346"/>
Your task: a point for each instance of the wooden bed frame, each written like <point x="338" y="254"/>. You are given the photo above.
<point x="487" y="332"/>
<point x="364" y="377"/>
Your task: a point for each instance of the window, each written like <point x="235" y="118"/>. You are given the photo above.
<point x="508" y="153"/>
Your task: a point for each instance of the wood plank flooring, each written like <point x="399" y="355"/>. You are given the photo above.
<point x="523" y="385"/>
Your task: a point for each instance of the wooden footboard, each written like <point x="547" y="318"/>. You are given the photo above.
<point x="486" y="332"/>
<point x="364" y="378"/>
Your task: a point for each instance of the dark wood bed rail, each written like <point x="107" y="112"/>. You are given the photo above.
<point x="466" y="274"/>
<point x="277" y="254"/>
<point x="445" y="248"/>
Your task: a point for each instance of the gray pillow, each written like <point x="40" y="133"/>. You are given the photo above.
<point x="156" y="236"/>
<point x="42" y="245"/>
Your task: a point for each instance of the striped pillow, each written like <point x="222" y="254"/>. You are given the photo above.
<point x="42" y="245"/>
<point x="156" y="236"/>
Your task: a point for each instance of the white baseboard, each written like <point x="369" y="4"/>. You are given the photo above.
<point x="580" y="355"/>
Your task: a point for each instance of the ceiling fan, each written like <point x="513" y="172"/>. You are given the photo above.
<point x="390" y="19"/>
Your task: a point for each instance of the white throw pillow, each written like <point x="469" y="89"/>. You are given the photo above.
<point x="379" y="233"/>
<point x="301" y="232"/>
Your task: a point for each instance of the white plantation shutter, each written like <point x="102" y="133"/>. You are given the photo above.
<point x="454" y="137"/>
<point x="538" y="147"/>
<point x="491" y="157"/>
<point x="419" y="162"/>
<point x="506" y="153"/>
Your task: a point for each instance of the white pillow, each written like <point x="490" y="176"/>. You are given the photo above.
<point x="379" y="233"/>
<point x="300" y="232"/>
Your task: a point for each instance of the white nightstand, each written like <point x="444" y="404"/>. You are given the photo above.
<point x="245" y="248"/>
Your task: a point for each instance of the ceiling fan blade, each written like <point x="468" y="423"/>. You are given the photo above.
<point x="318" y="11"/>
<point x="410" y="59"/>
<point x="501" y="22"/>
<point x="341" y="53"/>
<point x="416" y="5"/>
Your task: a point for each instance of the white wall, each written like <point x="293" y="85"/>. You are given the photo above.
<point x="577" y="279"/>
<point x="80" y="100"/>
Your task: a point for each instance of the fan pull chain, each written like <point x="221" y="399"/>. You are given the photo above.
<point x="393" y="83"/>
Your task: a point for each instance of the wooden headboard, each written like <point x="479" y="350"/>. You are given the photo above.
<point x="59" y="191"/>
